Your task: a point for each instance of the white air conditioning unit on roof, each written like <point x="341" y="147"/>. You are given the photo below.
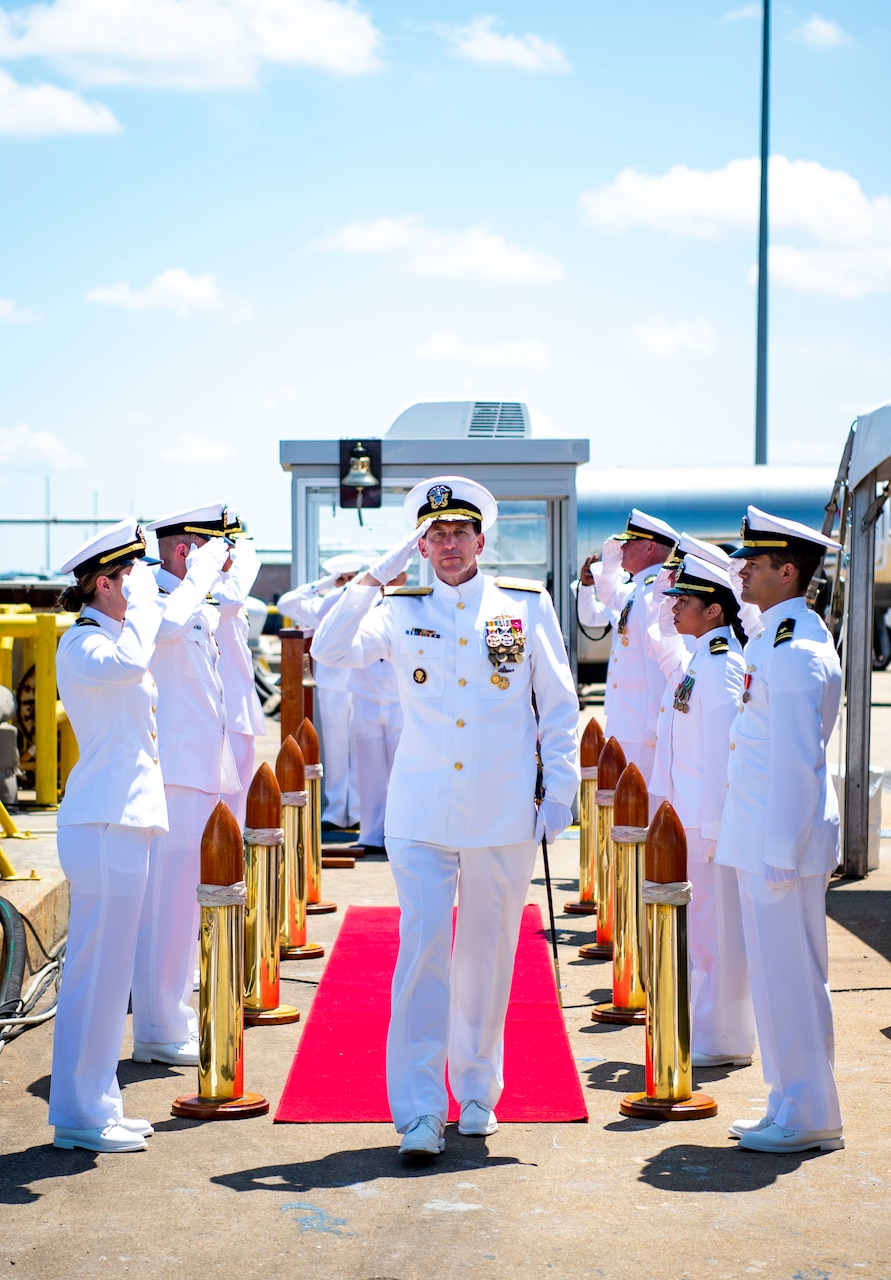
<point x="463" y="420"/>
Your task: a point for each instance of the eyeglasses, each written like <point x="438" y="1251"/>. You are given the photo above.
<point x="463" y="534"/>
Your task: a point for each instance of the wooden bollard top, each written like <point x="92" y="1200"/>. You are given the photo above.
<point x="665" y="860"/>
<point x="222" y="848"/>
<point x="591" y="744"/>
<point x="631" y="806"/>
<point x="289" y="767"/>
<point x="308" y="742"/>
<point x="610" y="765"/>
<point x="264" y="800"/>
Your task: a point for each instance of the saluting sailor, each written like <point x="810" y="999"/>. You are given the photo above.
<point x="696" y="745"/>
<point x="780" y="831"/>
<point x="198" y="767"/>
<point x="113" y="805"/>
<point x="634" y="680"/>
<point x="470" y="652"/>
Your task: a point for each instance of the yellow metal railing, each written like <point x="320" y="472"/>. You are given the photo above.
<point x="39" y="634"/>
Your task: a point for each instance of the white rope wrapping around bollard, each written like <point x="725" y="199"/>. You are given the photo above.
<point x="264" y="835"/>
<point x="604" y="796"/>
<point x="677" y="894"/>
<point x="589" y="773"/>
<point x="222" y="895"/>
<point x="295" y="798"/>
<point x="313" y="771"/>
<point x="629" y="835"/>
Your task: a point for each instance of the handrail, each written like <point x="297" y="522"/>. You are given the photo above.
<point x="43" y="631"/>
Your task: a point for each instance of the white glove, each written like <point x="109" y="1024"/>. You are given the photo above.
<point x="392" y="562"/>
<point x="215" y="551"/>
<point x="245" y="563"/>
<point x="779" y="878"/>
<point x="665" y="620"/>
<point x="139" y="585"/>
<point x="660" y="586"/>
<point x="750" y="617"/>
<point x="611" y="557"/>
<point x="552" y="818"/>
<point x="709" y="847"/>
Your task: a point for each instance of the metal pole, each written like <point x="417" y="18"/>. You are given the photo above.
<point x="761" y="366"/>
<point x="859" y="663"/>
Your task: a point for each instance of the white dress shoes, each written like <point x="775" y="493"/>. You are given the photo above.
<point x="721" y="1060"/>
<point x="739" y="1127"/>
<point x="175" y="1055"/>
<point x="476" y="1120"/>
<point x="142" y="1127"/>
<point x="778" y="1141"/>
<point x="112" y="1138"/>
<point x="423" y="1138"/>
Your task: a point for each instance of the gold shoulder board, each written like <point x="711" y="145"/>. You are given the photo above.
<point x="648" y="581"/>
<point x="784" y="631"/>
<point x="718" y="645"/>
<point x="86" y="622"/>
<point x="519" y="584"/>
<point x="407" y="591"/>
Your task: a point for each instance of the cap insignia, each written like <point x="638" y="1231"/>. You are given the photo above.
<point x="439" y="496"/>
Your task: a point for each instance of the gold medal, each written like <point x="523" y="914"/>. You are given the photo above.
<point x="504" y="683"/>
<point x="495" y="679"/>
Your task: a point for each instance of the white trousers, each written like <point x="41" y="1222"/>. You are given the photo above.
<point x="723" y="1019"/>
<point x="242" y="745"/>
<point x="377" y="728"/>
<point x="450" y="1002"/>
<point x="164" y="972"/>
<point x="341" y="793"/>
<point x="107" y="870"/>
<point x="788" y="959"/>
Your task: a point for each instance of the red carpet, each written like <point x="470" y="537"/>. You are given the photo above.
<point x="338" y="1072"/>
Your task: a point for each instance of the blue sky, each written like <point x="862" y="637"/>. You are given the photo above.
<point x="228" y="222"/>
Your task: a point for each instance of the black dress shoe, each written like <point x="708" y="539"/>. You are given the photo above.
<point x="373" y="848"/>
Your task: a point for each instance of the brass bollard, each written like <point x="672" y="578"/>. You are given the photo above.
<point x="609" y="770"/>
<point x="308" y="742"/>
<point x="629" y="833"/>
<point x="222" y="895"/>
<point x="669" y="1076"/>
<point x="289" y="772"/>
<point x="263" y="840"/>
<point x="589" y="754"/>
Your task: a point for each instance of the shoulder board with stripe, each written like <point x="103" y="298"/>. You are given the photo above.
<point x="408" y="591"/>
<point x="784" y="631"/>
<point x="86" y="622"/>
<point x="648" y="581"/>
<point x="212" y="600"/>
<point x="519" y="584"/>
<point x="718" y="645"/>
<point x="162" y="591"/>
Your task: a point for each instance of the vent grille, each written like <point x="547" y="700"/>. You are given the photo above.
<point x="494" y="419"/>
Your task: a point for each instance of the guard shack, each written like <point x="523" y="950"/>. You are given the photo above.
<point x="534" y="482"/>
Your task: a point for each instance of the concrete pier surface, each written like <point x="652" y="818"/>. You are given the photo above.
<point x="615" y="1198"/>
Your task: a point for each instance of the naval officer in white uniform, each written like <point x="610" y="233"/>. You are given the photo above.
<point x="696" y="745"/>
<point x="244" y="713"/>
<point x="198" y="767"/>
<point x="623" y="587"/>
<point x="780" y="831"/>
<point x="469" y="653"/>
<point x="113" y="805"/>
<point x="307" y="605"/>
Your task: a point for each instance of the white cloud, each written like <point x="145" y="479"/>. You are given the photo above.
<point x="192" y="451"/>
<point x="190" y="44"/>
<point x="661" y="338"/>
<point x="821" y="33"/>
<point x="477" y="254"/>
<point x="451" y="346"/>
<point x="829" y="236"/>
<point x="37" y="110"/>
<point x="172" y="290"/>
<point x="12" y="313"/>
<point x="480" y="42"/>
<point x="747" y="11"/>
<point x="35" y="450"/>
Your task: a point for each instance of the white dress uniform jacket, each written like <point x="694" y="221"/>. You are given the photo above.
<point x="781" y="808"/>
<point x="111" y="699"/>
<point x="465" y="769"/>
<point x="194" y="748"/>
